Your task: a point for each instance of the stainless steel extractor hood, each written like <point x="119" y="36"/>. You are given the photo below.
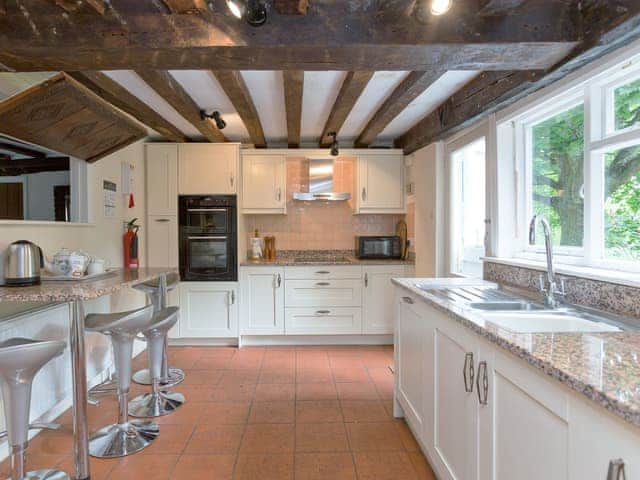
<point x="321" y="182"/>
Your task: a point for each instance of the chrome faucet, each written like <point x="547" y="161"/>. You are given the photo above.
<point x="550" y="290"/>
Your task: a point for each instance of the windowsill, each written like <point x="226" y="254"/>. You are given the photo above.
<point x="617" y="277"/>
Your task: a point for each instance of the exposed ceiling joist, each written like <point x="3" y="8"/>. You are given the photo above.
<point x="172" y="92"/>
<point x="186" y="6"/>
<point x="25" y="166"/>
<point x="493" y="7"/>
<point x="72" y="6"/>
<point x="351" y="89"/>
<point x="237" y="91"/>
<point x="293" y="88"/>
<point x="118" y="96"/>
<point x="291" y="7"/>
<point x="410" y="88"/>
<point x="20" y="150"/>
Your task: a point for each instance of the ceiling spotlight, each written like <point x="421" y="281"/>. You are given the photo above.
<point x="335" y="151"/>
<point x="256" y="12"/>
<point x="220" y="123"/>
<point x="440" y="7"/>
<point x="235" y="6"/>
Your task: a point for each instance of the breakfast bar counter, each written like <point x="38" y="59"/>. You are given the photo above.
<point x="75" y="293"/>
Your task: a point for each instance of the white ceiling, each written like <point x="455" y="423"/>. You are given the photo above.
<point x="267" y="91"/>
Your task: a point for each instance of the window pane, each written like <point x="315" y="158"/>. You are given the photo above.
<point x="468" y="209"/>
<point x="558" y="175"/>
<point x="626" y="100"/>
<point x="622" y="204"/>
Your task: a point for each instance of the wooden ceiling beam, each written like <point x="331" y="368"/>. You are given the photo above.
<point x="351" y="89"/>
<point x="408" y="90"/>
<point x="170" y="89"/>
<point x="21" y="150"/>
<point x="73" y="6"/>
<point x="186" y="6"/>
<point x="118" y="96"/>
<point x="233" y="85"/>
<point x="293" y="88"/>
<point x="496" y="7"/>
<point x="25" y="166"/>
<point x="291" y="7"/>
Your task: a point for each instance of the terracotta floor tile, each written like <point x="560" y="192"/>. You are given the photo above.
<point x="34" y="461"/>
<point x="215" y="439"/>
<point x="218" y="352"/>
<point x="52" y="443"/>
<point x="202" y="377"/>
<point x="324" y="466"/>
<point x="357" y="374"/>
<point x="266" y="392"/>
<point x="171" y="441"/>
<point x="345" y="362"/>
<point x="243" y="363"/>
<point x="421" y="466"/>
<point x="135" y="467"/>
<point x="318" y="411"/>
<point x="225" y="413"/>
<point x="195" y="393"/>
<point x="100" y="468"/>
<point x="279" y="376"/>
<point x="380" y="373"/>
<point x="313" y="375"/>
<point x="264" y="467"/>
<point x="408" y="440"/>
<point x="321" y="437"/>
<point x="364" y="411"/>
<point x="263" y="438"/>
<point x="312" y="360"/>
<point x="285" y="360"/>
<point x="189" y="413"/>
<point x="272" y="412"/>
<point x="376" y="360"/>
<point x="212" y="363"/>
<point x="384" y="466"/>
<point x="357" y="391"/>
<point x="316" y="391"/>
<point x="379" y="437"/>
<point x="237" y="393"/>
<point x="236" y="377"/>
<point x="204" y="467"/>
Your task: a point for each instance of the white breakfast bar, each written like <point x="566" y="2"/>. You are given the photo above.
<point x="75" y="293"/>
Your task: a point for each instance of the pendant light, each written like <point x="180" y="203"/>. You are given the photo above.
<point x="440" y="7"/>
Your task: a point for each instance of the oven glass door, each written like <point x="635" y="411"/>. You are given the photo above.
<point x="208" y="257"/>
<point x="208" y="219"/>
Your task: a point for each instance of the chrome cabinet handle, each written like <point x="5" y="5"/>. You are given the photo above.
<point x="322" y="284"/>
<point x="468" y="372"/>
<point x="323" y="312"/>
<point x="364" y="194"/>
<point x="279" y="194"/>
<point x="231" y="179"/>
<point x="323" y="272"/>
<point x="279" y="281"/>
<point x="162" y="220"/>
<point x="408" y="300"/>
<point x="232" y="297"/>
<point x="366" y="279"/>
<point x="483" y="393"/>
<point x="616" y="470"/>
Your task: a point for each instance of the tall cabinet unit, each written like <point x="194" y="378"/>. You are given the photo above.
<point x="264" y="184"/>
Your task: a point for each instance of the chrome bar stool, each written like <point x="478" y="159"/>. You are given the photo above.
<point x="170" y="376"/>
<point x="20" y="360"/>
<point x="157" y="402"/>
<point x="125" y="437"/>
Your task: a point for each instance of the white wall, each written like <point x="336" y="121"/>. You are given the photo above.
<point x="39" y="203"/>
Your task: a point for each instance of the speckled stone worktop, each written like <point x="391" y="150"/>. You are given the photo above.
<point x="290" y="258"/>
<point x="605" y="367"/>
<point x="81" y="290"/>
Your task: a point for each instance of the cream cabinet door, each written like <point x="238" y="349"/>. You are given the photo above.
<point x="264" y="181"/>
<point x="208" y="310"/>
<point x="161" y="165"/>
<point x="207" y="168"/>
<point x="378" y="298"/>
<point x="262" y="301"/>
<point x="162" y="241"/>
<point x="381" y="184"/>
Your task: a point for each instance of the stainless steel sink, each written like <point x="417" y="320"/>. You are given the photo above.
<point x="514" y="306"/>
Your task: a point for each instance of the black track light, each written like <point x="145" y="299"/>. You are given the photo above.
<point x="215" y="116"/>
<point x="253" y="11"/>
<point x="335" y="151"/>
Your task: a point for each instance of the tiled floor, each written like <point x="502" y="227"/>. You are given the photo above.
<point x="264" y="413"/>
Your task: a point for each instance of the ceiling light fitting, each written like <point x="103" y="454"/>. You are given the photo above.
<point x="335" y="151"/>
<point x="215" y="116"/>
<point x="253" y="11"/>
<point x="440" y="7"/>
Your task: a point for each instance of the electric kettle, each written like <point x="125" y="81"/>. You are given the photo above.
<point x="22" y="263"/>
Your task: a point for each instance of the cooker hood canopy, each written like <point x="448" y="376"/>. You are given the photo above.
<point x="320" y="176"/>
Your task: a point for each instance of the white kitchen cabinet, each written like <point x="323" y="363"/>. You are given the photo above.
<point x="161" y="164"/>
<point x="208" y="309"/>
<point x="323" y="321"/>
<point x="264" y="184"/>
<point x="262" y="301"/>
<point x="162" y="241"/>
<point x="380" y="184"/>
<point x="208" y="168"/>
<point x="321" y="293"/>
<point x="378" y="298"/>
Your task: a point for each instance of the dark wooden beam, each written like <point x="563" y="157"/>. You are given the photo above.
<point x="73" y="6"/>
<point x="186" y="6"/>
<point x="497" y="7"/>
<point x="119" y="97"/>
<point x="293" y="87"/>
<point x="291" y="7"/>
<point x="351" y="89"/>
<point x="168" y="88"/>
<point x="25" y="166"/>
<point x="237" y="91"/>
<point x="410" y="88"/>
<point x="21" y="150"/>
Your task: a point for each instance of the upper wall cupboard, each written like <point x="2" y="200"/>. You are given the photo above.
<point x="206" y="168"/>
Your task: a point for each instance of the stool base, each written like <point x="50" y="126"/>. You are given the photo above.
<point x="46" y="475"/>
<point x="121" y="439"/>
<point x="155" y="404"/>
<point x="143" y="377"/>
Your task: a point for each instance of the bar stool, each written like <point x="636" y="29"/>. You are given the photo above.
<point x="170" y="376"/>
<point x="157" y="402"/>
<point x="125" y="437"/>
<point x="20" y="360"/>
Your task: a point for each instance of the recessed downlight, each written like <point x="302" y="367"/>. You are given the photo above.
<point x="440" y="7"/>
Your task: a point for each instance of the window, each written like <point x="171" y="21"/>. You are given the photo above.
<point x="467" y="209"/>
<point x="626" y="105"/>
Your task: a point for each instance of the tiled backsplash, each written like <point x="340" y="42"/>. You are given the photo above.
<point x="611" y="297"/>
<point x="320" y="225"/>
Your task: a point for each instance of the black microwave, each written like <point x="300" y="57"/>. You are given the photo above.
<point x="379" y="247"/>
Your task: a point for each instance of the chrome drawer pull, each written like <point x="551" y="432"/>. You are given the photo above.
<point x="323" y="272"/>
<point x="323" y="312"/>
<point x="408" y="300"/>
<point x="483" y="394"/>
<point x="322" y="284"/>
<point x="468" y="377"/>
<point x="162" y="220"/>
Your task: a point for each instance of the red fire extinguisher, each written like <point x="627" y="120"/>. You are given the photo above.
<point x="130" y="244"/>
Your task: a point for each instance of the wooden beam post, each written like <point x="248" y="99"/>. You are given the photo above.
<point x="170" y="89"/>
<point x="408" y="90"/>
<point x="233" y="85"/>
<point x="118" y="96"/>
<point x="351" y="89"/>
<point x="293" y="87"/>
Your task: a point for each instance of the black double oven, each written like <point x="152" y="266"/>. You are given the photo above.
<point x="208" y="238"/>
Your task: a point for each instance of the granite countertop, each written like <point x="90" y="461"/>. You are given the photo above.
<point x="604" y="367"/>
<point x="80" y="290"/>
<point x="289" y="258"/>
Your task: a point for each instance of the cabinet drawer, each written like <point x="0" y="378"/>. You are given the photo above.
<point x="323" y="293"/>
<point x="323" y="272"/>
<point x="323" y="321"/>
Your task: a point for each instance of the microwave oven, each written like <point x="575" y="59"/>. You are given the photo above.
<point x="378" y="247"/>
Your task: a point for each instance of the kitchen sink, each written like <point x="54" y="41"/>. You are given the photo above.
<point x="506" y="306"/>
<point x="550" y="321"/>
